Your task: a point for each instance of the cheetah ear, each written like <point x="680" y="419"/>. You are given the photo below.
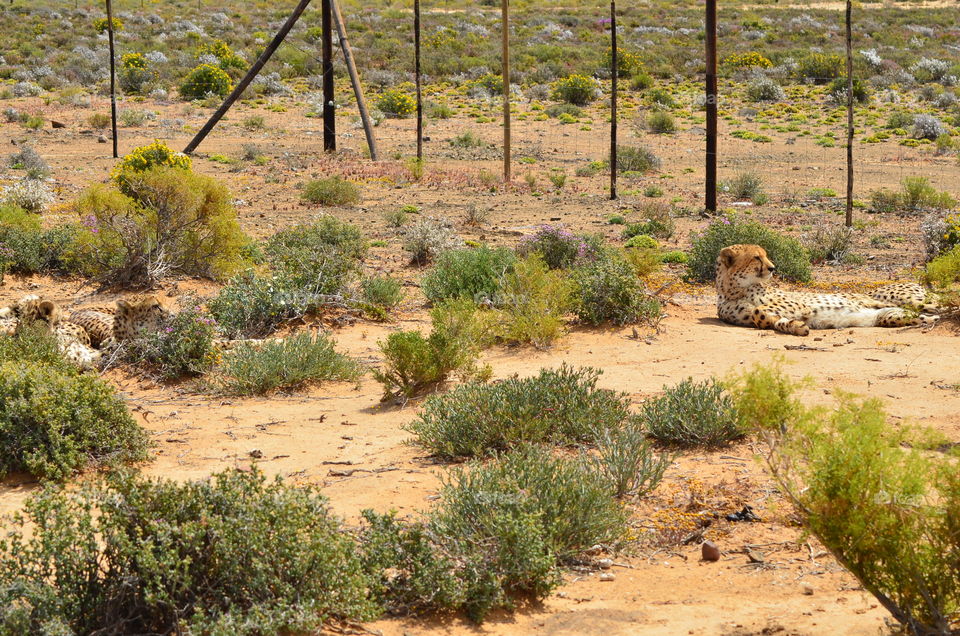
<point x="46" y="309"/>
<point x="727" y="256"/>
<point x="123" y="305"/>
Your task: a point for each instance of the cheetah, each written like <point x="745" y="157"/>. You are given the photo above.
<point x="744" y="297"/>
<point x="135" y="317"/>
<point x="72" y="339"/>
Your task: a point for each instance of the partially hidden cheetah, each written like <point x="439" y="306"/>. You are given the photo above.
<point x="72" y="339"/>
<point x="745" y="297"/>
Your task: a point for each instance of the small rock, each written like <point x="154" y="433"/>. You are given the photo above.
<point x="102" y="139"/>
<point x="607" y="576"/>
<point x="807" y="589"/>
<point x="256" y="453"/>
<point x="604" y="564"/>
<point x="57" y="124"/>
<point x="710" y="551"/>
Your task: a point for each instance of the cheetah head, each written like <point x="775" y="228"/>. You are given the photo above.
<point x="144" y="314"/>
<point x="30" y="308"/>
<point x="741" y="267"/>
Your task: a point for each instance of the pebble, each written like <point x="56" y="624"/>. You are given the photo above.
<point x="710" y="551"/>
<point x="607" y="576"/>
<point x="102" y="139"/>
<point x="807" y="589"/>
<point x="605" y="564"/>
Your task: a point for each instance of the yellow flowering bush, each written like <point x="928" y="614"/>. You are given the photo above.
<point x="100" y="25"/>
<point x="133" y="60"/>
<point x="228" y="60"/>
<point x="575" y="89"/>
<point x="396" y="103"/>
<point x="146" y="157"/>
<point x="747" y="60"/>
<point x="206" y="79"/>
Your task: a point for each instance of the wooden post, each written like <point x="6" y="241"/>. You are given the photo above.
<point x="329" y="105"/>
<point x="614" y="61"/>
<point x="354" y="79"/>
<point x="849" y="215"/>
<point x="710" y="176"/>
<point x="416" y="73"/>
<point x="113" y="78"/>
<point x="252" y="73"/>
<point x="505" y="36"/>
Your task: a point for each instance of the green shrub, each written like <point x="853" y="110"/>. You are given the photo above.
<point x="643" y="261"/>
<point x="414" y="364"/>
<point x="226" y="58"/>
<point x="562" y="407"/>
<point x="636" y="159"/>
<point x="820" y="67"/>
<point x="608" y="291"/>
<point x="304" y="249"/>
<point x="159" y="222"/>
<point x="692" y="414"/>
<point x="144" y="158"/>
<point x="183" y="346"/>
<point x="642" y="241"/>
<point x="471" y="556"/>
<point x="886" y="512"/>
<point x="25" y="248"/>
<point x="54" y="422"/>
<point x="428" y="238"/>
<point x="791" y="259"/>
<point x="331" y="191"/>
<point x="746" y="186"/>
<point x="252" y="306"/>
<point x="832" y="243"/>
<point x="917" y="193"/>
<point x="396" y="103"/>
<point x="675" y="256"/>
<point x="282" y="364"/>
<point x="641" y="81"/>
<point x="204" y="80"/>
<point x="660" y="122"/>
<point x="838" y="90"/>
<point x="625" y="458"/>
<point x="900" y="119"/>
<point x="575" y="89"/>
<point x="944" y="270"/>
<point x="764" y="397"/>
<point x="34" y="343"/>
<point x="534" y="300"/>
<point x="379" y="295"/>
<point x="657" y="222"/>
<point x="556" y="110"/>
<point x="234" y="554"/>
<point x="569" y="504"/>
<point x="472" y="273"/>
<point x="559" y="248"/>
<point x="466" y="140"/>
<point x="661" y="98"/>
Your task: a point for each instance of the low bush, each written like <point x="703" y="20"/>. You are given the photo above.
<point x="745" y="186"/>
<point x="204" y="80"/>
<point x="791" y="259"/>
<point x="927" y="127"/>
<point x="499" y="533"/>
<point x="25" y="248"/>
<point x="820" y="68"/>
<point x="944" y="270"/>
<point x="29" y="160"/>
<point x="764" y="89"/>
<point x="643" y="261"/>
<point x="657" y="222"/>
<point x="414" y="364"/>
<point x="32" y="195"/>
<point x="534" y="300"/>
<point x="256" y="368"/>
<point x="917" y="193"/>
<point x="608" y="291"/>
<point x="252" y="306"/>
<point x="472" y="273"/>
<point x="561" y="407"/>
<point x="428" y="238"/>
<point x="35" y="343"/>
<point x="307" y="250"/>
<point x="636" y="159"/>
<point x="558" y="247"/>
<point x="165" y="557"/>
<point x="838" y="91"/>
<point x="54" y="422"/>
<point x="661" y="122"/>
<point x="692" y="414"/>
<point x="379" y="295"/>
<point x="160" y="221"/>
<point x="396" y="103"/>
<point x="765" y="397"/>
<point x="182" y="347"/>
<point x="627" y="461"/>
<point x="575" y="89"/>
<point x="827" y="243"/>
<point x="642" y="242"/>
<point x="331" y="191"/>
<point x="885" y="510"/>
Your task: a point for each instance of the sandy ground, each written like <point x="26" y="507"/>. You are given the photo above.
<point x="340" y="437"/>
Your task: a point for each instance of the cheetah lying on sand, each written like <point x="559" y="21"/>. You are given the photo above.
<point x="745" y="297"/>
<point x="72" y="339"/>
